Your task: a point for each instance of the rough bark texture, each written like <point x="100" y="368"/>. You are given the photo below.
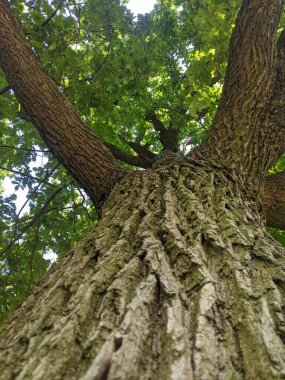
<point x="182" y="282"/>
<point x="180" y="279"/>
<point x="274" y="119"/>
<point x="274" y="200"/>
<point x="59" y="124"/>
<point x="239" y="127"/>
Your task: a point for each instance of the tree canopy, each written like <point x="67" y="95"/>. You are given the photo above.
<point x="144" y="85"/>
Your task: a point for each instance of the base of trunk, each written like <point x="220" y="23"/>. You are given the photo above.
<point x="178" y="281"/>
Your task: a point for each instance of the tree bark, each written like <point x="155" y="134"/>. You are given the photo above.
<point x="274" y="200"/>
<point x="182" y="282"/>
<point x="59" y="124"/>
<point x="180" y="279"/>
<point x="239" y="128"/>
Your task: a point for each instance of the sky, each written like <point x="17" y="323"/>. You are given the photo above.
<point x="141" y="6"/>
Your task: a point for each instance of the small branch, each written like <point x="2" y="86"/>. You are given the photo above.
<point x="31" y="260"/>
<point x="101" y="64"/>
<point x="4" y="295"/>
<point x="36" y="188"/>
<point x="27" y="175"/>
<point x="5" y="89"/>
<point x="35" y="218"/>
<point x="25" y="149"/>
<point x="17" y="219"/>
<point x="83" y="204"/>
<point x="140" y="136"/>
<point x="49" y="18"/>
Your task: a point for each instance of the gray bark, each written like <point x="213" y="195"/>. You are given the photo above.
<point x="182" y="282"/>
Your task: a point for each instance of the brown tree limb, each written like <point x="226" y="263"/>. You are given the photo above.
<point x="168" y="136"/>
<point x="74" y="145"/>
<point x="252" y="55"/>
<point x="236" y="142"/>
<point x="274" y="200"/>
<point x="141" y="136"/>
<point x="128" y="158"/>
<point x="274" y="124"/>
<point x="141" y="150"/>
<point x="156" y="122"/>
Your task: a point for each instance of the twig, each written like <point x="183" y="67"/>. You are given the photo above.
<point x="48" y="19"/>
<point x="35" y="218"/>
<point x="27" y="175"/>
<point x="26" y="149"/>
<point x="36" y="188"/>
<point x="31" y="261"/>
<point x="5" y="89"/>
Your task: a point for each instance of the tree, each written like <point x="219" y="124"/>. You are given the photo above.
<point x="179" y="279"/>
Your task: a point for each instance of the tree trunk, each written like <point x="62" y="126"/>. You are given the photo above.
<point x="178" y="281"/>
<point x="57" y="121"/>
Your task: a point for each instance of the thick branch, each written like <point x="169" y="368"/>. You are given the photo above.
<point x="157" y="124"/>
<point x="236" y="142"/>
<point x="128" y="158"/>
<point x="168" y="136"/>
<point x="252" y="55"/>
<point x="274" y="200"/>
<point x="274" y="125"/>
<point x="74" y="145"/>
<point x="141" y="150"/>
